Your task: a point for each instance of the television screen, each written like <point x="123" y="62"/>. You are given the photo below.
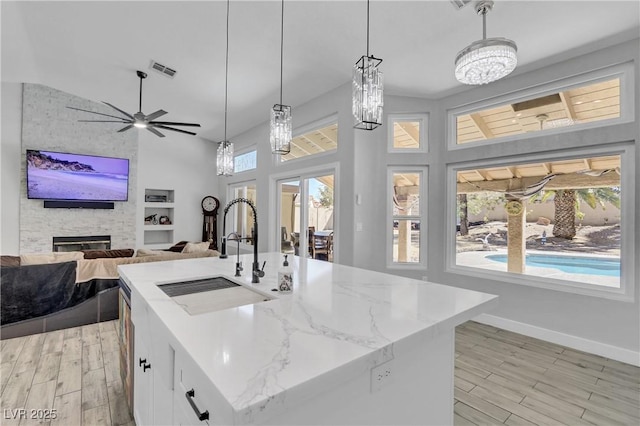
<point x="63" y="176"/>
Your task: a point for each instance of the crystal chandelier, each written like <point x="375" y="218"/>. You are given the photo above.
<point x="224" y="158"/>
<point x="281" y="114"/>
<point x="486" y="60"/>
<point x="224" y="155"/>
<point x="367" y="89"/>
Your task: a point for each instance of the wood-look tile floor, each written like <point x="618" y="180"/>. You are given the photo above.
<point x="500" y="378"/>
<point x="75" y="372"/>
<point x="504" y="377"/>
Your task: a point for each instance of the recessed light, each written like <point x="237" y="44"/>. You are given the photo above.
<point x="578" y="103"/>
<point x="597" y="100"/>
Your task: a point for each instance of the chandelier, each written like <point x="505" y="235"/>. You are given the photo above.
<point x="224" y="155"/>
<point x="486" y="60"/>
<point x="281" y="114"/>
<point x="367" y="89"/>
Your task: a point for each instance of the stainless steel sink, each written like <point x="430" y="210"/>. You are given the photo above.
<point x="211" y="294"/>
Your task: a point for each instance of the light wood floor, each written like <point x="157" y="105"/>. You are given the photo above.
<point x="74" y="371"/>
<point x="500" y="378"/>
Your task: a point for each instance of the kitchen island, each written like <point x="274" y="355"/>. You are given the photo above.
<point x="347" y="346"/>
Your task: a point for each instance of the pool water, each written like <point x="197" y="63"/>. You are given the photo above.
<point x="569" y="264"/>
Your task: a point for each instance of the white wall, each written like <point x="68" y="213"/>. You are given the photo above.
<point x="185" y="164"/>
<point x="10" y="149"/>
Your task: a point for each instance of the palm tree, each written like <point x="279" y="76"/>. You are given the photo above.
<point x="567" y="206"/>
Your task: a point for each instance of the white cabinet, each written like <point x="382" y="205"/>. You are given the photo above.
<point x="158" y="218"/>
<point x="153" y="367"/>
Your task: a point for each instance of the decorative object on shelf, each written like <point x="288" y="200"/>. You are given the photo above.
<point x="281" y="114"/>
<point x="225" y="147"/>
<point x="367" y="89"/>
<point x="139" y="119"/>
<point x="486" y="60"/>
<point x="154" y="198"/>
<point x="151" y="219"/>
<point x="164" y="220"/>
<point x="210" y="205"/>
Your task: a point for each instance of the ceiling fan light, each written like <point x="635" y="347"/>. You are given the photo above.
<point x="485" y="61"/>
<point x="280" y="129"/>
<point x="140" y="124"/>
<point x="224" y="158"/>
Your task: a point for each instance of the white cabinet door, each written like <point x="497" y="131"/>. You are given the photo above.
<point x="142" y="382"/>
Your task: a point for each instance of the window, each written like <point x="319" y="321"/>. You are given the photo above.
<point x="319" y="138"/>
<point x="245" y="162"/>
<point x="240" y="217"/>
<point x="407" y="133"/>
<point x="560" y="220"/>
<point x="593" y="99"/>
<point x="406" y="190"/>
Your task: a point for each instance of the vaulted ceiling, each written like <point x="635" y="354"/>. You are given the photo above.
<point x="92" y="48"/>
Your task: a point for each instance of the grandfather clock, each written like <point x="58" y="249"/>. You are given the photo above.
<point x="210" y="206"/>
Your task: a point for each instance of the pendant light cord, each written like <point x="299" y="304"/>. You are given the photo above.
<point x="281" y="48"/>
<point x="226" y="76"/>
<point x="367" y="28"/>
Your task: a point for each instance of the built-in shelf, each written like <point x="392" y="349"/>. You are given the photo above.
<point x="159" y="202"/>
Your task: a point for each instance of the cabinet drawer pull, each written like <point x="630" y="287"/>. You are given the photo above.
<point x="201" y="416"/>
<point x="146" y="367"/>
<point x="141" y="361"/>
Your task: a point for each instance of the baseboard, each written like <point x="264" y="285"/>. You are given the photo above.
<point x="602" y="349"/>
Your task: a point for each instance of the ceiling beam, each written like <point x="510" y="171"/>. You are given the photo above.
<point x="481" y="125"/>
<point x="409" y="130"/>
<point x="568" y="106"/>
<point x="568" y="181"/>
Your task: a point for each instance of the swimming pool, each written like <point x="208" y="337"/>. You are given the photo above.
<point x="570" y="264"/>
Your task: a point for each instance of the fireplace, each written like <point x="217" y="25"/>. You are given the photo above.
<point x="99" y="242"/>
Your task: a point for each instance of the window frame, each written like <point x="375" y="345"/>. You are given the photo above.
<point x="422" y="217"/>
<point x="306" y="128"/>
<point x="627" y="253"/>
<point x="624" y="71"/>
<point x="423" y="118"/>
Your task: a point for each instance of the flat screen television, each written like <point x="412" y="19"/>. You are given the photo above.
<point x="76" y="177"/>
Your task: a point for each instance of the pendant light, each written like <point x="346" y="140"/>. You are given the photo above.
<point x="281" y="114"/>
<point x="486" y="60"/>
<point x="225" y="147"/>
<point x="367" y="89"/>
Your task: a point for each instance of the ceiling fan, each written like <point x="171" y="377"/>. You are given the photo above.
<point x="139" y="119"/>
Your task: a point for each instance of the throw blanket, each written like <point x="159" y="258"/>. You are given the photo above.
<point x="36" y="290"/>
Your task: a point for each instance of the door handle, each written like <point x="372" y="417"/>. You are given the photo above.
<point x="201" y="416"/>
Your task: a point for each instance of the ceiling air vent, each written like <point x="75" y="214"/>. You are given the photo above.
<point x="163" y="69"/>
<point x="459" y="4"/>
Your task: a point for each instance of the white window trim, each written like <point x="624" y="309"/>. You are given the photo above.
<point x="422" y="264"/>
<point x="627" y="226"/>
<point x="306" y="128"/>
<point x="302" y="174"/>
<point x="244" y="246"/>
<point x="423" y="118"/>
<point x="625" y="72"/>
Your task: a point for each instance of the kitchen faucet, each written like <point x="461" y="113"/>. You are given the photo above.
<point x="256" y="271"/>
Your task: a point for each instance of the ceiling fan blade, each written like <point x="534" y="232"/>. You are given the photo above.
<point x="119" y="110"/>
<point x="155" y="132"/>
<point x="154" y="115"/>
<point x="104" y="121"/>
<point x="171" y="123"/>
<point x="98" y="113"/>
<point x="174" y="130"/>
<point x="124" y="129"/>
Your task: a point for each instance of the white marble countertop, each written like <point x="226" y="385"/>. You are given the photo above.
<point x="337" y="323"/>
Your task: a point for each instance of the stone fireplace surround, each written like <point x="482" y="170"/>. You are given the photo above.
<point x="48" y="124"/>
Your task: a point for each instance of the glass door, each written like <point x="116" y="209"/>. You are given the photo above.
<point x="307" y="200"/>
